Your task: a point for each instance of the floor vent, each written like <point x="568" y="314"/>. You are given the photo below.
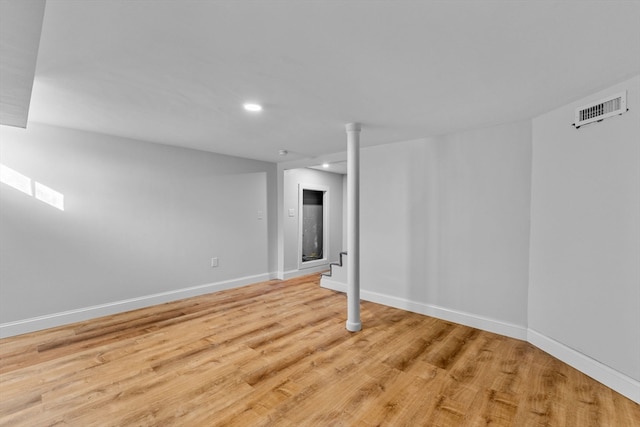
<point x="600" y="110"/>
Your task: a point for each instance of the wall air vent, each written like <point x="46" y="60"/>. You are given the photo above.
<point x="600" y="110"/>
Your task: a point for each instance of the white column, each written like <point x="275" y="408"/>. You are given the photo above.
<point x="353" y="227"/>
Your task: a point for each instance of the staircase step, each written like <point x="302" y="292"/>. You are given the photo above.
<point x="338" y="264"/>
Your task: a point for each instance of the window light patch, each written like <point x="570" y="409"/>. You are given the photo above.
<point x="22" y="183"/>
<point x="49" y="196"/>
<point x="15" y="179"/>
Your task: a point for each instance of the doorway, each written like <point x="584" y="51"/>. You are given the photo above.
<point x="314" y="226"/>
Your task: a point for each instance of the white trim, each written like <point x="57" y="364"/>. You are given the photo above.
<point x="613" y="379"/>
<point x="326" y="256"/>
<point x="467" y="319"/>
<point x="309" y="265"/>
<point x="305" y="272"/>
<point x="327" y="283"/>
<point x="19" y="327"/>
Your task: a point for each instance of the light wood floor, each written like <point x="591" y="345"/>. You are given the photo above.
<point x="277" y="353"/>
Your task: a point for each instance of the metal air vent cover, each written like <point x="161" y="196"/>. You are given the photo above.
<point x="600" y="110"/>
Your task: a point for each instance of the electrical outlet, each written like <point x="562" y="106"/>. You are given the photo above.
<point x="214" y="262"/>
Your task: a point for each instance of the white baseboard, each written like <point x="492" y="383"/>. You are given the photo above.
<point x="611" y="378"/>
<point x="327" y="283"/>
<point x="81" y="314"/>
<point x="305" y="271"/>
<point x="467" y="319"/>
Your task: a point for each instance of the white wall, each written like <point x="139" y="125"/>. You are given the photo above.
<point x="292" y="179"/>
<point x="398" y="216"/>
<point x="140" y="219"/>
<point x="445" y="225"/>
<point x="484" y="185"/>
<point x="584" y="289"/>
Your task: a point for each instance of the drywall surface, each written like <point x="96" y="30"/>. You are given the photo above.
<point x="445" y="221"/>
<point x="292" y="180"/>
<point x="484" y="188"/>
<point x="138" y="219"/>
<point x="584" y="289"/>
<point x="398" y="218"/>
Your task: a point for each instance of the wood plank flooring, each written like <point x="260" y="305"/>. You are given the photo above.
<point x="277" y="354"/>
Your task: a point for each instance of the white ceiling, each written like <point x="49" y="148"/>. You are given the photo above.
<point x="339" y="167"/>
<point x="177" y="72"/>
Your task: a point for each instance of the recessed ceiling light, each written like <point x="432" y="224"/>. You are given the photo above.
<point x="252" y="107"/>
<point x="325" y="165"/>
